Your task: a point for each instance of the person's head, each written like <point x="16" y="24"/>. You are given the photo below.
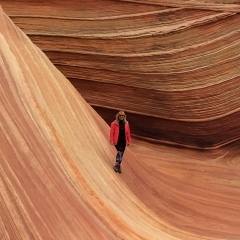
<point x="121" y="116"/>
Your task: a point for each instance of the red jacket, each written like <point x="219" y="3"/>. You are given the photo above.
<point x="114" y="132"/>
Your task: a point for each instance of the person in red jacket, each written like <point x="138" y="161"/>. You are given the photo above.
<point x="120" y="137"/>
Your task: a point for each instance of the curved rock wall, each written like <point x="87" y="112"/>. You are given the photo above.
<point x="56" y="176"/>
<point x="173" y="66"/>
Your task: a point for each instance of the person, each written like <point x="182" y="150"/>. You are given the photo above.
<point x="120" y="137"/>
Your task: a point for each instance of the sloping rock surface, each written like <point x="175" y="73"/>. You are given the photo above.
<point x="172" y="65"/>
<point x="56" y="176"/>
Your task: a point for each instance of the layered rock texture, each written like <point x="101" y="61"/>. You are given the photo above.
<point x="172" y="65"/>
<point x="178" y="78"/>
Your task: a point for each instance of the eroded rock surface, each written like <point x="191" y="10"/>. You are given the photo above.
<point x="56" y="176"/>
<point x="172" y="65"/>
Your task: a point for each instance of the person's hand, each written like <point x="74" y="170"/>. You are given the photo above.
<point x="112" y="143"/>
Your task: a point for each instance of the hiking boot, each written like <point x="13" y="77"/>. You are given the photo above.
<point x="115" y="168"/>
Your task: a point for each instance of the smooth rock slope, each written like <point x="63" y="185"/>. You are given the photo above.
<point x="56" y="176"/>
<point x="172" y="65"/>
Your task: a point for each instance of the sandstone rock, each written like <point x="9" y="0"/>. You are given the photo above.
<point x="56" y="163"/>
<point x="171" y="65"/>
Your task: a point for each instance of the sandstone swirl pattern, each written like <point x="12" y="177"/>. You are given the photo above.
<point x="56" y="177"/>
<point x="172" y="65"/>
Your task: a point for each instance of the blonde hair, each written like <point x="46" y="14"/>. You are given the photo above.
<point x="121" y="113"/>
